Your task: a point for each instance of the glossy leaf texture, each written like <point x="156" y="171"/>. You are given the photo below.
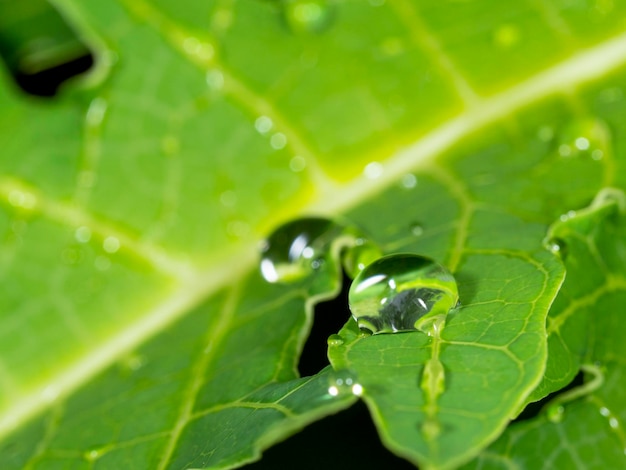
<point x="583" y="427"/>
<point x="135" y="329"/>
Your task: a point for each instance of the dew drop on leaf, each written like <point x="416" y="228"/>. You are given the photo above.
<point x="335" y="340"/>
<point x="305" y="246"/>
<point x="557" y="246"/>
<point x="586" y="137"/>
<point x="555" y="413"/>
<point x="416" y="229"/>
<point x="400" y="292"/>
<point x="343" y="382"/>
<point x="308" y="16"/>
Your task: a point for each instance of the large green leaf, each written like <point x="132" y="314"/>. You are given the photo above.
<point x="135" y="330"/>
<point x="583" y="427"/>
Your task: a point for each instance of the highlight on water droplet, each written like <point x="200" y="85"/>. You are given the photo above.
<point x="91" y="455"/>
<point x="400" y="293"/>
<point x="308" y="16"/>
<point x="360" y="256"/>
<point x="343" y="382"/>
<point x="557" y="246"/>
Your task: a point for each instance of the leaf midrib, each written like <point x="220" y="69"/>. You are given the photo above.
<point x="583" y="67"/>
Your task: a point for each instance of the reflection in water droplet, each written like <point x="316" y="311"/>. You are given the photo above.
<point x="400" y="293"/>
<point x="297" y="164"/>
<point x="585" y="137"/>
<point x="298" y="248"/>
<point x="308" y="16"/>
<point x="343" y="382"/>
<point x="335" y="340"/>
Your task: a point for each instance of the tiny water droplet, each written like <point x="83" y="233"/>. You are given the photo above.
<point x="111" y="244"/>
<point x="585" y="137"/>
<point x="400" y="292"/>
<point x="335" y="340"/>
<point x="308" y="16"/>
<point x="199" y="49"/>
<point x="263" y="124"/>
<point x="604" y="411"/>
<point x="555" y="413"/>
<point x="557" y="246"/>
<point x="278" y="141"/>
<point x="297" y="164"/>
<point x="417" y="229"/>
<point x="92" y="455"/>
<point x="343" y="382"/>
<point x="613" y="422"/>
<point x="82" y="234"/>
<point x="409" y="181"/>
<point x="215" y="79"/>
<point x="359" y="256"/>
<point x="96" y="111"/>
<point x="373" y="170"/>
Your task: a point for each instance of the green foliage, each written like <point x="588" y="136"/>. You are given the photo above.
<point x="135" y="328"/>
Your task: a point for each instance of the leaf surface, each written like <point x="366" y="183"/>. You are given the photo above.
<point x="132" y="205"/>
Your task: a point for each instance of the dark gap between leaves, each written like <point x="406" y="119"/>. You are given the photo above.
<point x="46" y="82"/>
<point x="328" y="319"/>
<point x="533" y="409"/>
<point x="343" y="441"/>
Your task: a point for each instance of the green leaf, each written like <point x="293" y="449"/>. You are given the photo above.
<point x="135" y="331"/>
<point x="583" y="427"/>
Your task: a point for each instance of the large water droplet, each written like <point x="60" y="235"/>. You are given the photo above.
<point x="308" y="16"/>
<point x="302" y="247"/>
<point x="585" y="137"/>
<point x="343" y="382"/>
<point x="400" y="292"/>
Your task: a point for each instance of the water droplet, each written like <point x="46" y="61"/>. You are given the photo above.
<point x="555" y="413"/>
<point x="82" y="234"/>
<point x="409" y="181"/>
<point x="373" y="170"/>
<point x="215" y="79"/>
<point x="335" y="340"/>
<point x="589" y="137"/>
<point x="557" y="246"/>
<point x="296" y="248"/>
<point x="278" y="141"/>
<point x="94" y="454"/>
<point x="604" y="411"/>
<point x="417" y="229"/>
<point x="301" y="247"/>
<point x="308" y="16"/>
<point x="263" y="124"/>
<point x="111" y="244"/>
<point x="613" y="422"/>
<point x="343" y="382"/>
<point x="297" y="164"/>
<point x="95" y="112"/>
<point x="400" y="292"/>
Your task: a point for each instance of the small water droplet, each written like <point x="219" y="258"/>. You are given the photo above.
<point x="94" y="454"/>
<point x="400" y="292"/>
<point x="373" y="170"/>
<point x="335" y="340"/>
<point x="82" y="234"/>
<point x="263" y="124"/>
<point x="343" y="382"/>
<point x="589" y="137"/>
<point x="555" y="413"/>
<point x="215" y="79"/>
<point x="297" y="164"/>
<point x="278" y="141"/>
<point x="360" y="256"/>
<point x="613" y="422"/>
<point x="604" y="411"/>
<point x="111" y="244"/>
<point x="308" y="16"/>
<point x="287" y="255"/>
<point x="557" y="246"/>
<point x="96" y="111"/>
<point x="409" y="181"/>
<point x="417" y="229"/>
